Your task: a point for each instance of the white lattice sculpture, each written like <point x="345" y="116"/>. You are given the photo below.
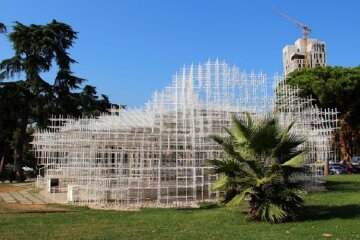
<point x="156" y="154"/>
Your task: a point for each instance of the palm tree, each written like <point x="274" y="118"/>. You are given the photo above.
<point x="261" y="158"/>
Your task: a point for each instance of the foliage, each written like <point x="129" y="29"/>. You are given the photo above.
<point x="29" y="103"/>
<point x="90" y="104"/>
<point x="261" y="158"/>
<point x="7" y="175"/>
<point x="332" y="87"/>
<point x="2" y="28"/>
<point x="335" y="87"/>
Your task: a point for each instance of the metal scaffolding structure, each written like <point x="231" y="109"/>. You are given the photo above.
<point x="154" y="156"/>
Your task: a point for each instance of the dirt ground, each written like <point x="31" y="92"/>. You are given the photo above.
<point x="30" y="208"/>
<point x="10" y="188"/>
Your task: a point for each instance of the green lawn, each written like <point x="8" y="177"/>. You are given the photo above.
<point x="336" y="211"/>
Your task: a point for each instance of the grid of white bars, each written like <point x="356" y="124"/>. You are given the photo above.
<point x="155" y="154"/>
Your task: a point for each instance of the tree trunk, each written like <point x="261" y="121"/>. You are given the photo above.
<point x="349" y="136"/>
<point x="2" y="161"/>
<point x="19" y="149"/>
<point x="20" y="177"/>
<point x="326" y="168"/>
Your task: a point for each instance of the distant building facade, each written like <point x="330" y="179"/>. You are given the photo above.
<point x="294" y="55"/>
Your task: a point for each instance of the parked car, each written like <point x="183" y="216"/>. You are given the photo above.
<point x="27" y="169"/>
<point x="334" y="169"/>
<point x="356" y="170"/>
<point x="355" y="161"/>
<point x="10" y="167"/>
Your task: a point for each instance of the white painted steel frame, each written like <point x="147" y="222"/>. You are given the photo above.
<point x="155" y="154"/>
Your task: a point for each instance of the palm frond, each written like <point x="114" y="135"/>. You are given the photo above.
<point x="222" y="184"/>
<point x="271" y="212"/>
<point x="246" y="180"/>
<point x="239" y="130"/>
<point x="229" y="132"/>
<point x="295" y="162"/>
<point x="263" y="138"/>
<point x="236" y="201"/>
<point x="229" y="167"/>
<point x="275" y="213"/>
<point x="295" y="196"/>
<point x="217" y="138"/>
<point x="295" y="152"/>
<point x="263" y="180"/>
<point x="249" y="120"/>
<point x="288" y="148"/>
<point x="227" y="144"/>
<point x="286" y="130"/>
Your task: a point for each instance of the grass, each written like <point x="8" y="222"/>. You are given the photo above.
<point x="336" y="212"/>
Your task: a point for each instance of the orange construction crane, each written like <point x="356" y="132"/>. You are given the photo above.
<point x="306" y="31"/>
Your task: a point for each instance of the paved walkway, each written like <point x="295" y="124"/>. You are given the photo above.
<point x="23" y="196"/>
<point x="6" y="197"/>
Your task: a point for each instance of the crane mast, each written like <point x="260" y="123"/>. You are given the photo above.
<point x="306" y="31"/>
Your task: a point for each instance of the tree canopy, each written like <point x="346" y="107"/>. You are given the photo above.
<point x="335" y="87"/>
<point x="2" y="28"/>
<point x="332" y="87"/>
<point x="29" y="102"/>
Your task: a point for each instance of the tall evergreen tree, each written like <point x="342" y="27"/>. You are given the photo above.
<point x="2" y="28"/>
<point x="29" y="103"/>
<point x="10" y="107"/>
<point x="90" y="103"/>
<point x="36" y="48"/>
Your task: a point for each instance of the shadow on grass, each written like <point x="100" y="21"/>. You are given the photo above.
<point x="34" y="211"/>
<point x="328" y="212"/>
<point x="202" y="206"/>
<point x="49" y="211"/>
<point x="323" y="212"/>
<point x="208" y="205"/>
<point x="342" y="186"/>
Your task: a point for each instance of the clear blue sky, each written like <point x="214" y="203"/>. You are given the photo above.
<point x="128" y="49"/>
